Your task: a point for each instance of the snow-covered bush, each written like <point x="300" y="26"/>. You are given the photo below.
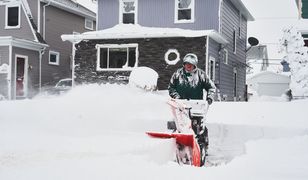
<point x="144" y="78"/>
<point x="296" y="54"/>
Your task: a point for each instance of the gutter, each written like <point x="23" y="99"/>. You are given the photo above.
<point x="44" y="19"/>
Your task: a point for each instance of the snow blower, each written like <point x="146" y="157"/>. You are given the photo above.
<point x="185" y="112"/>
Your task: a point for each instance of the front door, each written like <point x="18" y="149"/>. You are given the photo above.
<point x="21" y="73"/>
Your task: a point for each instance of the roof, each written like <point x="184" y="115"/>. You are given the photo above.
<point x="128" y="31"/>
<point x="22" y="43"/>
<point x="279" y="77"/>
<point x="73" y="7"/>
<point x="244" y="11"/>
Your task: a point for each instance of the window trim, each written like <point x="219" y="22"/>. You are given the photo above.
<point x="176" y="60"/>
<point x="240" y="26"/>
<point x="226" y="56"/>
<point x="131" y="45"/>
<point x="85" y="24"/>
<point x="176" y="11"/>
<point x="211" y="58"/>
<point x="6" y="16"/>
<point x="234" y="36"/>
<point x="121" y="12"/>
<point x="57" y="58"/>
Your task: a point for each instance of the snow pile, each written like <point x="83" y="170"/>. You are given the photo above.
<point x="296" y="54"/>
<point x="144" y="78"/>
<point x="98" y="132"/>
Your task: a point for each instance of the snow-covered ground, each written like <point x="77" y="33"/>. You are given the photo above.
<point x="98" y="132"/>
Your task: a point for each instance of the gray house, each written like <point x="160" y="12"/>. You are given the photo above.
<point x="158" y="34"/>
<point x="32" y="54"/>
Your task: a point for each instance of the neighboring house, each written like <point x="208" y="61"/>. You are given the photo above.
<point x="266" y="77"/>
<point x="257" y="59"/>
<point x="267" y="83"/>
<point x="32" y="53"/>
<point x="158" y="34"/>
<point x="302" y="6"/>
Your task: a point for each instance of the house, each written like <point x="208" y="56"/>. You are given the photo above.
<point x="302" y="6"/>
<point x="32" y="54"/>
<point x="267" y="83"/>
<point x="158" y="34"/>
<point x="257" y="59"/>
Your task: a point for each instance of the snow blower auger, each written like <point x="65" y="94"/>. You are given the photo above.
<point x="185" y="113"/>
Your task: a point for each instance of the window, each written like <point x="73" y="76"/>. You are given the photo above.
<point x="128" y="11"/>
<point x="225" y="56"/>
<point x="234" y="41"/>
<point x="212" y="68"/>
<point x="54" y="58"/>
<point x="184" y="11"/>
<point x="88" y="24"/>
<point x="117" y="57"/>
<point x="172" y="56"/>
<point x="12" y="17"/>
<point x="240" y="26"/>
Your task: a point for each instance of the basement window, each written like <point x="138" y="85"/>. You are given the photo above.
<point x="12" y="17"/>
<point x="116" y="57"/>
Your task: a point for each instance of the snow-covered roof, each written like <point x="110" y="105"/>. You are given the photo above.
<point x="128" y="31"/>
<point x="72" y="7"/>
<point x="279" y="76"/>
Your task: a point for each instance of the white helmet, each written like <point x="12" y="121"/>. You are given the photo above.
<point x="191" y="59"/>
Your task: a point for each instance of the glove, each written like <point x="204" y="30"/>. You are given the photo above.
<point x="209" y="101"/>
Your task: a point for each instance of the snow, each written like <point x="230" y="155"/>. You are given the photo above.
<point x="122" y="31"/>
<point x="144" y="77"/>
<point x="98" y="132"/>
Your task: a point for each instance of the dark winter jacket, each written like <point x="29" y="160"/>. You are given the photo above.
<point x="184" y="85"/>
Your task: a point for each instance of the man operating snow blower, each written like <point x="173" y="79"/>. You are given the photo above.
<point x="188" y="83"/>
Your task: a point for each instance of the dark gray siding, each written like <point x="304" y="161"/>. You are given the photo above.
<point x="151" y="54"/>
<point x="160" y="13"/>
<point x="24" y="32"/>
<point x="4" y="59"/>
<point x="33" y="70"/>
<point x="59" y="22"/>
<point x="229" y="21"/>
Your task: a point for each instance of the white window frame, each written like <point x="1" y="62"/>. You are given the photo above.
<point x="6" y="16"/>
<point x="173" y="61"/>
<point x="176" y="10"/>
<point x="212" y="59"/>
<point x="121" y="11"/>
<point x="57" y="57"/>
<point x="85" y="24"/>
<point x="99" y="46"/>
<point x="225" y="56"/>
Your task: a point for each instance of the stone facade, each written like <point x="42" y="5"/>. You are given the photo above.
<point x="151" y="54"/>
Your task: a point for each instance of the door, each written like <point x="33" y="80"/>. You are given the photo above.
<point x="21" y="76"/>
